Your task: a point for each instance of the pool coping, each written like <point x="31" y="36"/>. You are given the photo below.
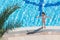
<point x="33" y="28"/>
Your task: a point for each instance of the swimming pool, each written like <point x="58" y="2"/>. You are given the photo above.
<point x="26" y="15"/>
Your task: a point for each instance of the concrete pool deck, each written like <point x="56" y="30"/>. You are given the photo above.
<point x="35" y="34"/>
<point x="34" y="37"/>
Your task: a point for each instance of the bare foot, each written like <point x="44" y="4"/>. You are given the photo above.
<point x="44" y="27"/>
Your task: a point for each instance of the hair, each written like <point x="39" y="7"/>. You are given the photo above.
<point x="43" y="13"/>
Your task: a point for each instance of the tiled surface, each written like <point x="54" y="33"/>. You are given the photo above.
<point x="28" y="12"/>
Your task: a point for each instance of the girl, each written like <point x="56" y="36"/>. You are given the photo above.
<point x="43" y="19"/>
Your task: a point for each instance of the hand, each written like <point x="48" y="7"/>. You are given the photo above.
<point x="48" y="17"/>
<point x="37" y="17"/>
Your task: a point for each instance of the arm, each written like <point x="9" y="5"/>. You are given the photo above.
<point x="38" y="17"/>
<point x="48" y="17"/>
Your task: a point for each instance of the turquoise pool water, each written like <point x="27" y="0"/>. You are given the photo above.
<point x="26" y="15"/>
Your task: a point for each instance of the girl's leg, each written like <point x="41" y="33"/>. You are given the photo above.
<point x="44" y="25"/>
